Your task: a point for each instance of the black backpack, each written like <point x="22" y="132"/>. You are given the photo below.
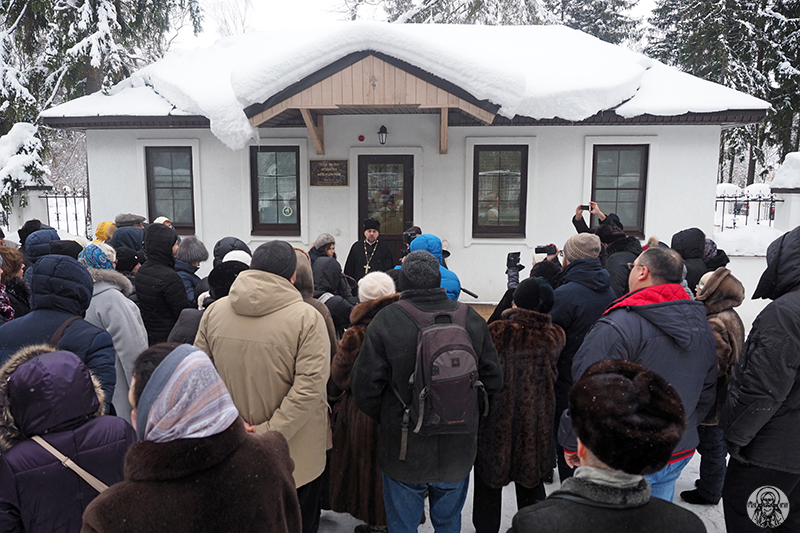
<point x="446" y="391"/>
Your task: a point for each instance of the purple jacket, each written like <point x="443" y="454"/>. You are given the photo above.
<point x="53" y="395"/>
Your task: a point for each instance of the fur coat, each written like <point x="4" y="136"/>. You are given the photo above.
<point x="514" y="440"/>
<point x="356" y="485"/>
<point x="231" y="481"/>
<point x="721" y="293"/>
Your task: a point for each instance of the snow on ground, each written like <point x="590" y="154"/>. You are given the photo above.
<point x="711" y="515"/>
<point x="577" y="77"/>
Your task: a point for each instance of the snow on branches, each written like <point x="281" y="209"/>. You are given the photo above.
<point x="20" y="163"/>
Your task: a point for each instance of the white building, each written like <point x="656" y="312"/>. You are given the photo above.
<point x="494" y="136"/>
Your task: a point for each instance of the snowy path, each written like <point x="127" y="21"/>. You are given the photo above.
<point x="711" y="515"/>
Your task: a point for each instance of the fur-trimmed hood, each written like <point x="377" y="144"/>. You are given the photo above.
<point x="364" y="312"/>
<point x="53" y="394"/>
<point x="721" y="292"/>
<point x="111" y="279"/>
<point x="628" y="244"/>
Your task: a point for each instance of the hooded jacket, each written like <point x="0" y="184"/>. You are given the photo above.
<point x="620" y="253"/>
<point x="660" y="328"/>
<point x="691" y="243"/>
<point x="221" y="249"/>
<point x="388" y="357"/>
<point x="273" y="353"/>
<point x="112" y="311"/>
<point x="129" y="237"/>
<point x="159" y="289"/>
<point x="188" y="274"/>
<point x="761" y="417"/>
<point x="721" y="293"/>
<point x="330" y="287"/>
<point x="37" y="245"/>
<point x="583" y="295"/>
<point x="62" y="288"/>
<point x="432" y="243"/>
<point x="37" y="492"/>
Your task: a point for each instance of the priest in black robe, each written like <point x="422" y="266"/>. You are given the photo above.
<point x="369" y="255"/>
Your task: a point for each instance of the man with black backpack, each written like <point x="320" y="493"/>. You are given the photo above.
<point x="425" y="372"/>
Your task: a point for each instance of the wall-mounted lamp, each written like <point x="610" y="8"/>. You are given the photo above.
<point x="382" y="133"/>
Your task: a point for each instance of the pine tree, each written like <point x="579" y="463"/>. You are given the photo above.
<point x="53" y="50"/>
<point x="605" y="19"/>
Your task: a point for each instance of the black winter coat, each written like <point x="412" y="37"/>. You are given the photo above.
<point x="37" y="493"/>
<point x="583" y="295"/>
<point x="62" y="288"/>
<point x="159" y="288"/>
<point x="620" y="253"/>
<point x="328" y="278"/>
<point x="388" y="356"/>
<point x="761" y="416"/>
<point x="662" y="330"/>
<point x="691" y="243"/>
<point x="20" y="296"/>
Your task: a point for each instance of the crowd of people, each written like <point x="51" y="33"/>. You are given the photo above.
<point x="136" y="396"/>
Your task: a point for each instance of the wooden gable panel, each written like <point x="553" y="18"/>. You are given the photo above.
<point x="372" y="83"/>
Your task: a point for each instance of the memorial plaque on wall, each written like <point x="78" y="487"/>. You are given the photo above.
<point x="329" y="173"/>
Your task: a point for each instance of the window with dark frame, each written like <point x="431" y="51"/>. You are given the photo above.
<point x="275" y="189"/>
<point x="169" y="185"/>
<point x="619" y="183"/>
<point x="500" y="186"/>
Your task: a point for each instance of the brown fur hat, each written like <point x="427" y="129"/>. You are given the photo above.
<point x="629" y="417"/>
<point x="721" y="291"/>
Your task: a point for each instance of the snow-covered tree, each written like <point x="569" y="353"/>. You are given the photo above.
<point x="459" y="11"/>
<point x="20" y="163"/>
<point x="52" y="50"/>
<point x="608" y="20"/>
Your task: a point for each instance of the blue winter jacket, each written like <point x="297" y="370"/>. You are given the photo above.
<point x="189" y="278"/>
<point x="432" y="243"/>
<point x="130" y="237"/>
<point x="61" y="288"/>
<point x="37" y="245"/>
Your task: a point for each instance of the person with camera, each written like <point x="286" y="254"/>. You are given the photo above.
<point x="585" y="292"/>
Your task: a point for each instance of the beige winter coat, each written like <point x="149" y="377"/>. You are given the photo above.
<point x="273" y="353"/>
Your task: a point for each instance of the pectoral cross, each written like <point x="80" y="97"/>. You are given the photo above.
<point x="366" y="269"/>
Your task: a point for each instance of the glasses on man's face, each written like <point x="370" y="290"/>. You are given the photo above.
<point x="630" y="266"/>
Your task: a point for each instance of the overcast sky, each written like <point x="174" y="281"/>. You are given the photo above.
<point x="272" y="14"/>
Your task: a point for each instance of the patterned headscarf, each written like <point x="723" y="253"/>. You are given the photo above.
<point x="184" y="399"/>
<point x="93" y="257"/>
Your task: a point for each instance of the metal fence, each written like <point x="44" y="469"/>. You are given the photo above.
<point x="731" y="212"/>
<point x="70" y="212"/>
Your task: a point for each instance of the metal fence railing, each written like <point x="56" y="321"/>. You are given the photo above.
<point x="70" y="212"/>
<point x="735" y="211"/>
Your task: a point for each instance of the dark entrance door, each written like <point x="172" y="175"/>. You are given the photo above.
<point x="386" y="193"/>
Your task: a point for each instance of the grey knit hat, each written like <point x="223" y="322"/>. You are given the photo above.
<point x="420" y="271"/>
<point x="582" y="246"/>
<point x="276" y="257"/>
<point x="128" y="219"/>
<point x="323" y="240"/>
<point x="191" y="250"/>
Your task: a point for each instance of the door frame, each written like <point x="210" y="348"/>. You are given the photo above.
<point x="354" y="222"/>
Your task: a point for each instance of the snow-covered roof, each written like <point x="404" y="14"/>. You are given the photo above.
<point x="788" y="175"/>
<point x="541" y="72"/>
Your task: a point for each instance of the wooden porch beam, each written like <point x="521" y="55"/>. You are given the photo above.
<point x="317" y="131"/>
<point x="443" y="115"/>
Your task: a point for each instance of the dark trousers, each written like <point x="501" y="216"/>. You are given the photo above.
<point x="712" y="452"/>
<point x="742" y="480"/>
<point x="487" y="503"/>
<point x="308" y="495"/>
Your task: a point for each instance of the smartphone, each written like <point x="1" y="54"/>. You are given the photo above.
<point x="586" y="207"/>
<point x="550" y="249"/>
<point x="512" y="259"/>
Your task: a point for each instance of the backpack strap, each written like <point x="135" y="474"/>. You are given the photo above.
<point x="55" y="340"/>
<point x="96" y="484"/>
<point x="426" y="319"/>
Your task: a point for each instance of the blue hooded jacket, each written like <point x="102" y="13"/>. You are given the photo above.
<point x="61" y="288"/>
<point x="433" y="244"/>
<point x="37" y="245"/>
